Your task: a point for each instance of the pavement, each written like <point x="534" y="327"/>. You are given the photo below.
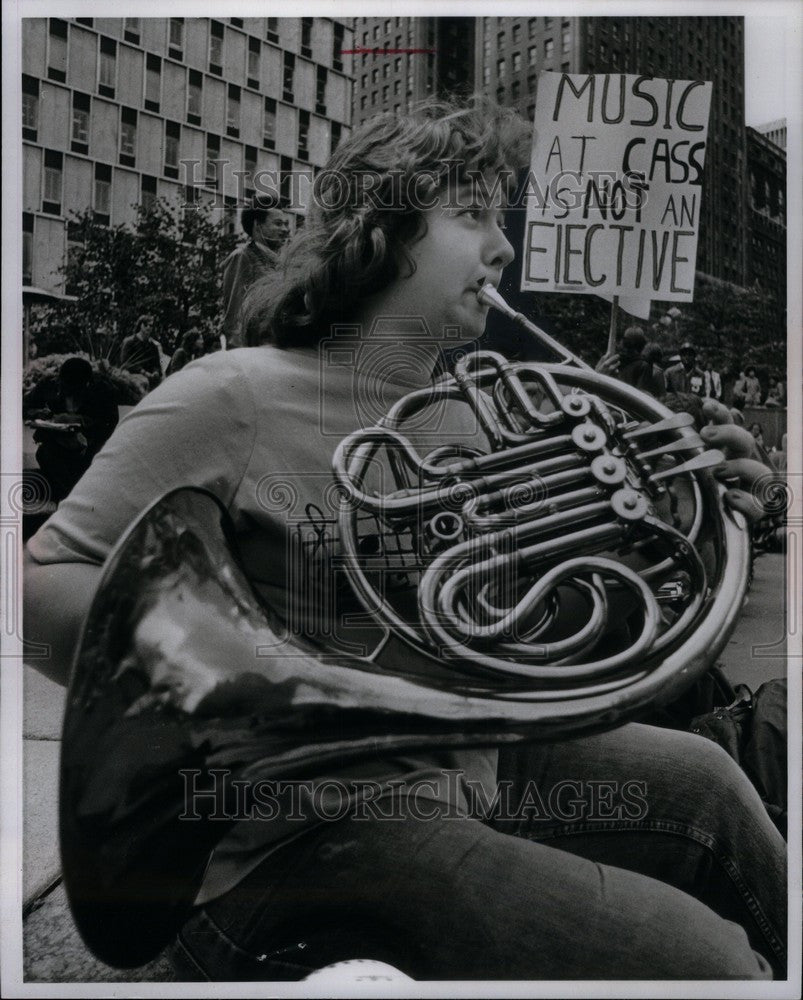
<point x="53" y="950"/>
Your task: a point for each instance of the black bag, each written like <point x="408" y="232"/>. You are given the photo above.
<point x="752" y="729"/>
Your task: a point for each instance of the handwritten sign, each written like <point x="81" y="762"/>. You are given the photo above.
<point x="614" y="192"/>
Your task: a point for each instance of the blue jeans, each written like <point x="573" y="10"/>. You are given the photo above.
<point x="641" y="853"/>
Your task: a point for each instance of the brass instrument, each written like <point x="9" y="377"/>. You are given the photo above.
<point x="182" y="669"/>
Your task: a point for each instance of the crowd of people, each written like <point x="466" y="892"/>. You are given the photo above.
<point x="647" y="366"/>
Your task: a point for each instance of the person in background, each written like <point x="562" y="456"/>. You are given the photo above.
<point x="758" y="433"/>
<point x="629" y="365"/>
<point x="267" y="229"/>
<point x="653" y="355"/>
<point x="686" y="376"/>
<point x="775" y="393"/>
<point x="139" y="353"/>
<point x="749" y="388"/>
<point x="82" y="413"/>
<point x="192" y="346"/>
<point x="712" y="382"/>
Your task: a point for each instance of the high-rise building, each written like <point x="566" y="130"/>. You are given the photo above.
<point x="119" y="111"/>
<point x="766" y="247"/>
<point x="775" y="131"/>
<point x="401" y="61"/>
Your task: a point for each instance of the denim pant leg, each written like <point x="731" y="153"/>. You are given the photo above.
<point x="664" y="803"/>
<point x="455" y="898"/>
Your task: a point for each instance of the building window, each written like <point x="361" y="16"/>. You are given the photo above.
<point x="303" y="135"/>
<point x="565" y="67"/>
<point x="486" y="75"/>
<point x="153" y="82"/>
<point x="532" y="56"/>
<point x="269" y="124"/>
<point x="336" y="133"/>
<point x="396" y="88"/>
<point x="515" y="90"/>
<point x="212" y="156"/>
<point x="233" y="111"/>
<point x="128" y="137"/>
<point x="57" y="50"/>
<point x="337" y="48"/>
<point x="253" y="71"/>
<point x="194" y="97"/>
<point x="51" y="189"/>
<point x="27" y="248"/>
<point x="397" y="63"/>
<point x="216" y="48"/>
<point x="289" y="73"/>
<point x="272" y="31"/>
<point x="516" y="62"/>
<point x="501" y="69"/>
<point x="385" y="94"/>
<point x="516" y="34"/>
<point x="172" y="137"/>
<point x="250" y="157"/>
<point x="30" y="107"/>
<point x="320" y="90"/>
<point x="79" y="137"/>
<point x="532" y="27"/>
<point x="147" y="197"/>
<point x="107" y="67"/>
<point x="566" y="40"/>
<point x="548" y="22"/>
<point x="306" y="37"/>
<point x="131" y="30"/>
<point x="374" y="75"/>
<point x="102" y="200"/>
<point x="175" y="38"/>
<point x="549" y="48"/>
<point x="285" y="181"/>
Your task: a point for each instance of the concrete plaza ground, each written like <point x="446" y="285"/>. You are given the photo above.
<point x="53" y="951"/>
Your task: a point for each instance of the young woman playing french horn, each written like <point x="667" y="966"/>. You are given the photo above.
<point x="690" y="884"/>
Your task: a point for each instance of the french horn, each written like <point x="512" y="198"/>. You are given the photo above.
<point x="574" y="502"/>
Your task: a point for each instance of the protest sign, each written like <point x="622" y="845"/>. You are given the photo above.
<point x="613" y="199"/>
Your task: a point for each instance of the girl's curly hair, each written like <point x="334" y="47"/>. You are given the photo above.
<point x="367" y="209"/>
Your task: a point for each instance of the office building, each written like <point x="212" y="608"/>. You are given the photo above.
<point x="766" y="248"/>
<point x="775" y="131"/>
<point x="401" y="61"/>
<point x="119" y="111"/>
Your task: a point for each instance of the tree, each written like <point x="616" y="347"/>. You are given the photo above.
<point x="168" y="264"/>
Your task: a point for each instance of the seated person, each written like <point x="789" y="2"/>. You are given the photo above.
<point x="437" y="890"/>
<point x="84" y="406"/>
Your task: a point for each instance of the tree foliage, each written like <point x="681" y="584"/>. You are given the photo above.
<point x="169" y="264"/>
<point x="735" y="327"/>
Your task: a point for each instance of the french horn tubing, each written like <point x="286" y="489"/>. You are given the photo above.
<point x="589" y="495"/>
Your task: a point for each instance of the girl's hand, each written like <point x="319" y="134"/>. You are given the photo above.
<point x="751" y="482"/>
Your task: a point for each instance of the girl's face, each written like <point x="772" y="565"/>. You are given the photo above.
<point x="464" y="247"/>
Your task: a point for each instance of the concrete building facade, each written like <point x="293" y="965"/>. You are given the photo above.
<point x="401" y="61"/>
<point x="119" y="111"/>
<point x="766" y="206"/>
<point x="775" y="131"/>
